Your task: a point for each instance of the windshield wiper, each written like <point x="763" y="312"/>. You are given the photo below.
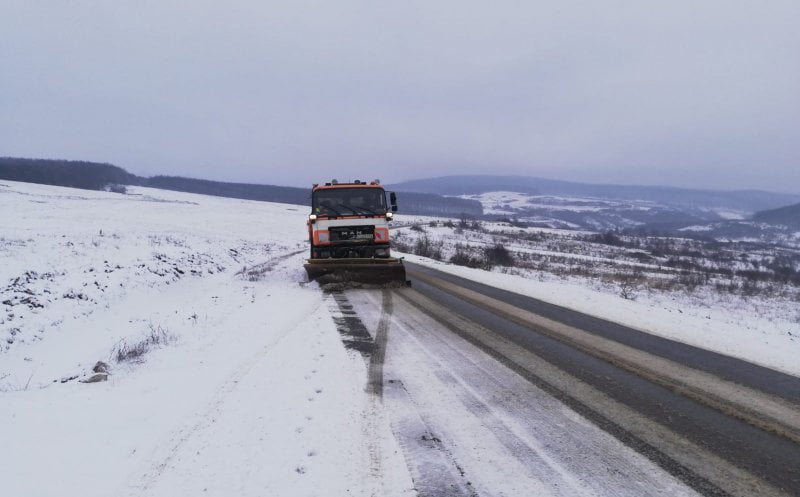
<point x="348" y="207"/>
<point x="369" y="212"/>
<point x="329" y="208"/>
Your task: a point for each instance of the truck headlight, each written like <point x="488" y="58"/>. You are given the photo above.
<point x="312" y="218"/>
<point x="389" y="216"/>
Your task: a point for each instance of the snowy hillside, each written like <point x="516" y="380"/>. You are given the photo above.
<point x="71" y="253"/>
<point x="632" y="216"/>
<point x="734" y="200"/>
<point x="595" y="213"/>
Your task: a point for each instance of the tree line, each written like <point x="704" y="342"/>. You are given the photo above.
<point x="100" y="176"/>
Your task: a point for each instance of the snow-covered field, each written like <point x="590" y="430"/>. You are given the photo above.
<point x="633" y="215"/>
<point x="760" y="328"/>
<point x="242" y="357"/>
<point x="512" y="203"/>
<point x="586" y="212"/>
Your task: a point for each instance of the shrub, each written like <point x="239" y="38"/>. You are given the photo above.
<point x="135" y="352"/>
<point x="114" y="188"/>
<point x="401" y="245"/>
<point x="607" y="238"/>
<point x="464" y="257"/>
<point x="498" y="255"/>
<point x="629" y="283"/>
<point x="425" y="248"/>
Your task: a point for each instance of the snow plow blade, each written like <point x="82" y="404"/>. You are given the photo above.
<point x="388" y="271"/>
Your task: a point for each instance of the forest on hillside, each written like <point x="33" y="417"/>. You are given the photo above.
<point x="99" y="176"/>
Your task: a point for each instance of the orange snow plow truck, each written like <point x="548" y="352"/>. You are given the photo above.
<point x="348" y="230"/>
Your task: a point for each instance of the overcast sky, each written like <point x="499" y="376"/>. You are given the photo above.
<point x="686" y="93"/>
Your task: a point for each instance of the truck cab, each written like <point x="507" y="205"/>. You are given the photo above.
<point x="350" y="220"/>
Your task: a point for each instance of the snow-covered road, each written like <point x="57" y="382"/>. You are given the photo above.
<point x="471" y="425"/>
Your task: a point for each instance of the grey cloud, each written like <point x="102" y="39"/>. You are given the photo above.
<point x="684" y="93"/>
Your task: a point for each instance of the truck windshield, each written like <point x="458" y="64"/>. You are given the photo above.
<point x="349" y="202"/>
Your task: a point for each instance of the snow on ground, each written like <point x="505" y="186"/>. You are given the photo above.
<point x="510" y="203"/>
<point x="698" y="227"/>
<point x="248" y="390"/>
<point x="566" y="211"/>
<point x="730" y="214"/>
<point x="439" y="232"/>
<point x="503" y="203"/>
<point x="71" y="252"/>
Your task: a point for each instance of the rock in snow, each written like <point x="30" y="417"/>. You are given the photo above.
<point x="100" y="367"/>
<point x="95" y="378"/>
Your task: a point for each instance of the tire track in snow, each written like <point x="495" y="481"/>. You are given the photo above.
<point x="356" y="336"/>
<point x="470" y="375"/>
<point x="374" y="420"/>
<point x="489" y="399"/>
<point x="433" y="468"/>
<point x="375" y="374"/>
<point x="257" y="271"/>
<point x="352" y="330"/>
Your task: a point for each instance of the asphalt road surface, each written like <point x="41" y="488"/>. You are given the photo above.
<point x="493" y="393"/>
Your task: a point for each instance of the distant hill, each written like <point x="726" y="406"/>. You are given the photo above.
<point x="437" y="205"/>
<point x="748" y="201"/>
<point x="789" y="216"/>
<point x="410" y="202"/>
<point x="97" y="176"/>
<point x="74" y="174"/>
<point x="246" y="191"/>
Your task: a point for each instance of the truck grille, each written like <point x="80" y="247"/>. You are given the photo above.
<point x="352" y="234"/>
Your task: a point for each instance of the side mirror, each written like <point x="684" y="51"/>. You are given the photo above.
<point x="393" y="201"/>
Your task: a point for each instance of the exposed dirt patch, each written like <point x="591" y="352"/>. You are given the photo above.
<point x="352" y="330"/>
